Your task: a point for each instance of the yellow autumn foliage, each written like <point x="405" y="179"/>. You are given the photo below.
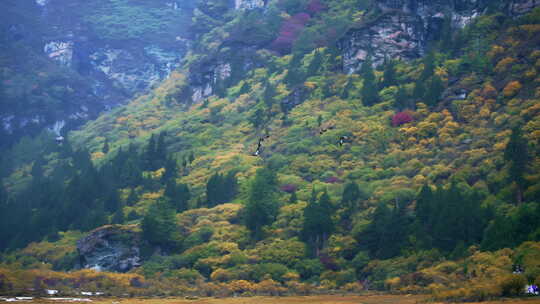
<point x="512" y="88"/>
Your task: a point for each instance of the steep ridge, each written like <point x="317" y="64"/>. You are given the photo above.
<point x="413" y="177"/>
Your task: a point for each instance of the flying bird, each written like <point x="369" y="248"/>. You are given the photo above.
<point x="343" y="140"/>
<point x="322" y="131"/>
<point x="259" y="145"/>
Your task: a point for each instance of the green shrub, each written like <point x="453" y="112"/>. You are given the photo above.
<point x="513" y="285"/>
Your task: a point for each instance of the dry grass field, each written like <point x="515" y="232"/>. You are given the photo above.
<point x="327" y="299"/>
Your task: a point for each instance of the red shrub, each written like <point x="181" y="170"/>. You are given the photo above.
<point x="289" y="188"/>
<point x="289" y="31"/>
<point x="401" y="118"/>
<point x="332" y="180"/>
<point x="316" y="6"/>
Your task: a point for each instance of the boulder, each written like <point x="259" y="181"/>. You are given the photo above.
<point x="111" y="248"/>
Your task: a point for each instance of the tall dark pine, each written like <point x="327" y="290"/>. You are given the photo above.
<point x="159" y="225"/>
<point x="318" y="224"/>
<point x="295" y="74"/>
<point x="315" y="64"/>
<point x="372" y="238"/>
<point x="434" y="91"/>
<point x="429" y="66"/>
<point x="369" y="92"/>
<point x="178" y="195"/>
<point x="171" y="170"/>
<point x="161" y="151"/>
<point x="262" y="204"/>
<point x="268" y="95"/>
<point x="150" y="153"/>
<point x="348" y="89"/>
<point x="389" y="75"/>
<point x="401" y="99"/>
<point x="516" y="154"/>
<point x="350" y="199"/>
<point x="214" y="190"/>
<point x="106" y="147"/>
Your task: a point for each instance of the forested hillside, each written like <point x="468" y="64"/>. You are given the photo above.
<point x="285" y="157"/>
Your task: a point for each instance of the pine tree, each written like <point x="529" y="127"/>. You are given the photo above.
<point x="294" y="75"/>
<point x="161" y="151"/>
<point x="424" y="208"/>
<point x="419" y="91"/>
<point x="214" y="190"/>
<point x="171" y="170"/>
<point x="401" y="99"/>
<point x="389" y="76"/>
<point x="318" y="224"/>
<point x="183" y="196"/>
<point x="369" y="92"/>
<point x="159" y="225"/>
<point x="517" y="155"/>
<point x="118" y="217"/>
<point x="445" y="42"/>
<point x="262" y="205"/>
<point x="106" y="146"/>
<point x="374" y="235"/>
<point x="315" y="64"/>
<point x="348" y="89"/>
<point x="434" y="91"/>
<point x="150" y="153"/>
<point x="268" y="95"/>
<point x="170" y="190"/>
<point x="293" y="199"/>
<point x="132" y="197"/>
<point x="257" y="119"/>
<point x="429" y="67"/>
<point x="244" y="89"/>
<point x="230" y="186"/>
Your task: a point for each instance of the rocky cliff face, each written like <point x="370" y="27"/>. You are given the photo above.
<point x="117" y="69"/>
<point x="110" y="248"/>
<point x="404" y="28"/>
<point x="96" y="65"/>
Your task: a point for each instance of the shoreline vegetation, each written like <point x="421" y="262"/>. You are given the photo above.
<point x="319" y="299"/>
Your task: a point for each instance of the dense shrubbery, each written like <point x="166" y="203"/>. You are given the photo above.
<point x="403" y="205"/>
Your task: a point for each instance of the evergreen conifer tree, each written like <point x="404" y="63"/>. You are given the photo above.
<point x="401" y="99"/>
<point x="295" y="74"/>
<point x="434" y="91"/>
<point x="516" y="154"/>
<point x="348" y="89"/>
<point x="315" y="64"/>
<point x="106" y="146"/>
<point x="293" y="199"/>
<point x="268" y="95"/>
<point x="369" y="92"/>
<point x="262" y="205"/>
<point x="389" y="75"/>
<point x="159" y="225"/>
<point x="150" y="153"/>
<point x="318" y="223"/>
<point x="244" y="89"/>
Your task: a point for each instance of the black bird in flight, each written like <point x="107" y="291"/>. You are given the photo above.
<point x="322" y="131"/>
<point x="259" y="145"/>
<point x="342" y="140"/>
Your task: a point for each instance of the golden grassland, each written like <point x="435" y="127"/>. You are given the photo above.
<point x="322" y="299"/>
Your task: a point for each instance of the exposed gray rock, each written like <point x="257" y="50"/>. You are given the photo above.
<point x="404" y="28"/>
<point x="111" y="248"/>
<point x="60" y="51"/>
<point x="248" y="4"/>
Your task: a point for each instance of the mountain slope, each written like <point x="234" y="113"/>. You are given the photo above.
<point x="439" y="160"/>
